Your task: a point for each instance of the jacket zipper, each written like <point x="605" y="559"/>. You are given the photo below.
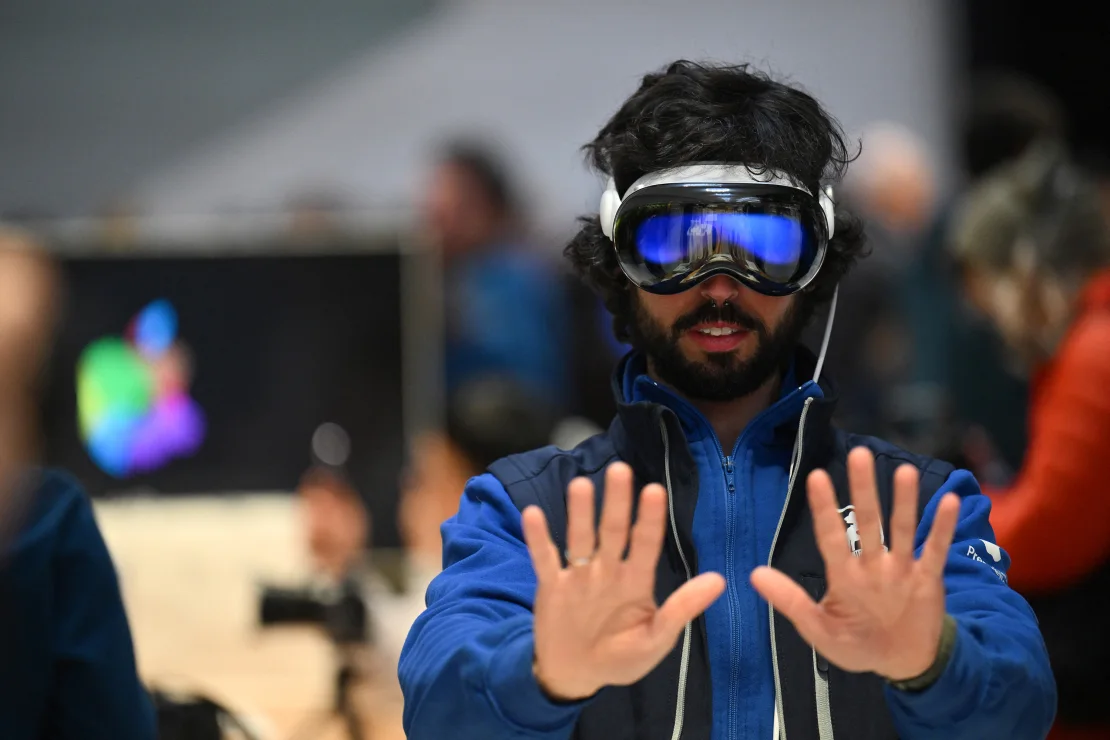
<point x="795" y="461"/>
<point x="684" y="665"/>
<point x="733" y="606"/>
<point x="728" y="464"/>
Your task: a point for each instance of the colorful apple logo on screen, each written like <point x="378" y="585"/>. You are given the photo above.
<point x="133" y="406"/>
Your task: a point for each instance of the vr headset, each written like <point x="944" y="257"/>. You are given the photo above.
<point x="677" y="227"/>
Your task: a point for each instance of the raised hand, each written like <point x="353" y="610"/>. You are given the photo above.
<point x="883" y="611"/>
<point x="596" y="620"/>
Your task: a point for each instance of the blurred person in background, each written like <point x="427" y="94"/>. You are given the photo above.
<point x="336" y="521"/>
<point x="315" y="219"/>
<point x="715" y="242"/>
<point x="505" y="312"/>
<point x="892" y="187"/>
<point x="1034" y="251"/>
<point x="963" y="357"/>
<point x="487" y="419"/>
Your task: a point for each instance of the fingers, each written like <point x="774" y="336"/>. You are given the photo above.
<point x="865" y="499"/>
<point x="828" y="526"/>
<point x="545" y="556"/>
<point x="615" y="514"/>
<point x="903" y="519"/>
<point x="580" y="519"/>
<point x="647" y="535"/>
<point x="792" y="601"/>
<point x="685" y="604"/>
<point x="935" y="553"/>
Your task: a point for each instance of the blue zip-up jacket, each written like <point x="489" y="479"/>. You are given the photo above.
<point x="466" y="669"/>
<point x="740" y="495"/>
<point x="67" y="666"/>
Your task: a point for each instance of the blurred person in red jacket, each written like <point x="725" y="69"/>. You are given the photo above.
<point x="1034" y="250"/>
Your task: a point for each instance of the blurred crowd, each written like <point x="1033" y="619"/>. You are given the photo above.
<point x="977" y="330"/>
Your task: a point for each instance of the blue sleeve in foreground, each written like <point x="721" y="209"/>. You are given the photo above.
<point x="466" y="667"/>
<point x="998" y="682"/>
<point x="96" y="692"/>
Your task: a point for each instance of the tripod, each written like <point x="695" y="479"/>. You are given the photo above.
<point x="347" y="675"/>
<point x="346" y="623"/>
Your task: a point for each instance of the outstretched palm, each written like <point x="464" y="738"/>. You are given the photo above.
<point x="883" y="611"/>
<point x="596" y="620"/>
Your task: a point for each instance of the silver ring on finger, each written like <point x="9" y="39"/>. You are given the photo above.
<point x="577" y="562"/>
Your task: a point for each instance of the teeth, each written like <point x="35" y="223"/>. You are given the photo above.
<point x="718" y="331"/>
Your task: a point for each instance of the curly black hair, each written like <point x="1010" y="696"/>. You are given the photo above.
<point x="692" y="112"/>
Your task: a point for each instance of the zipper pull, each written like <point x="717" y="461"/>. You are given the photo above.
<point x="728" y="464"/>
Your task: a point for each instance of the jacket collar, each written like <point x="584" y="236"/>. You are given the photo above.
<point x="637" y="435"/>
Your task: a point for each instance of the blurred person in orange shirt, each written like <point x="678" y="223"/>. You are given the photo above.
<point x="1034" y="253"/>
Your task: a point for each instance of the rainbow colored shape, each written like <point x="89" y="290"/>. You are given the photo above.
<point x="133" y="408"/>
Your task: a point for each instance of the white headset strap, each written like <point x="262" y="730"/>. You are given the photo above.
<point x="726" y="174"/>
<point x="706" y="172"/>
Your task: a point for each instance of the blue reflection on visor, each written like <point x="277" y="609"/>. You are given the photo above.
<point x="766" y="238"/>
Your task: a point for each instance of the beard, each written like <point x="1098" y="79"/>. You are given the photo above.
<point x="722" y="376"/>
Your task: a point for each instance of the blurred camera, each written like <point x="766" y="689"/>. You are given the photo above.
<point x="340" y="611"/>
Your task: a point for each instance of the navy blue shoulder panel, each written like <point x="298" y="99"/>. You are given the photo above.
<point x="540" y="477"/>
<point x="889" y="457"/>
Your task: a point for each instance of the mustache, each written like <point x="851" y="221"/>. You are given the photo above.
<point x="726" y="312"/>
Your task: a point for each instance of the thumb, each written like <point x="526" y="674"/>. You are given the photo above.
<point x="685" y="604"/>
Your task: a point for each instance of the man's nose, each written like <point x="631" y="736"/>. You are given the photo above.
<point x="720" y="289"/>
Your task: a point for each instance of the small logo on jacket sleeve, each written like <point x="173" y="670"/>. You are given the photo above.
<point x="995" y="554"/>
<point x="993" y="550"/>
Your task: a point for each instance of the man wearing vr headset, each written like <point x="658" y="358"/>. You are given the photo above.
<point x="782" y="578"/>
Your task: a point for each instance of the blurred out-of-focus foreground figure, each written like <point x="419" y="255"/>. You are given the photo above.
<point x="1034" y="251"/>
<point x="28" y="296"/>
<point x="67" y="665"/>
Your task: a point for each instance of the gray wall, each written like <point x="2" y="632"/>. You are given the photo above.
<point x="539" y="78"/>
<point x="95" y="94"/>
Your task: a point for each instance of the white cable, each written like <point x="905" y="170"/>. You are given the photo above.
<point x="828" y="333"/>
